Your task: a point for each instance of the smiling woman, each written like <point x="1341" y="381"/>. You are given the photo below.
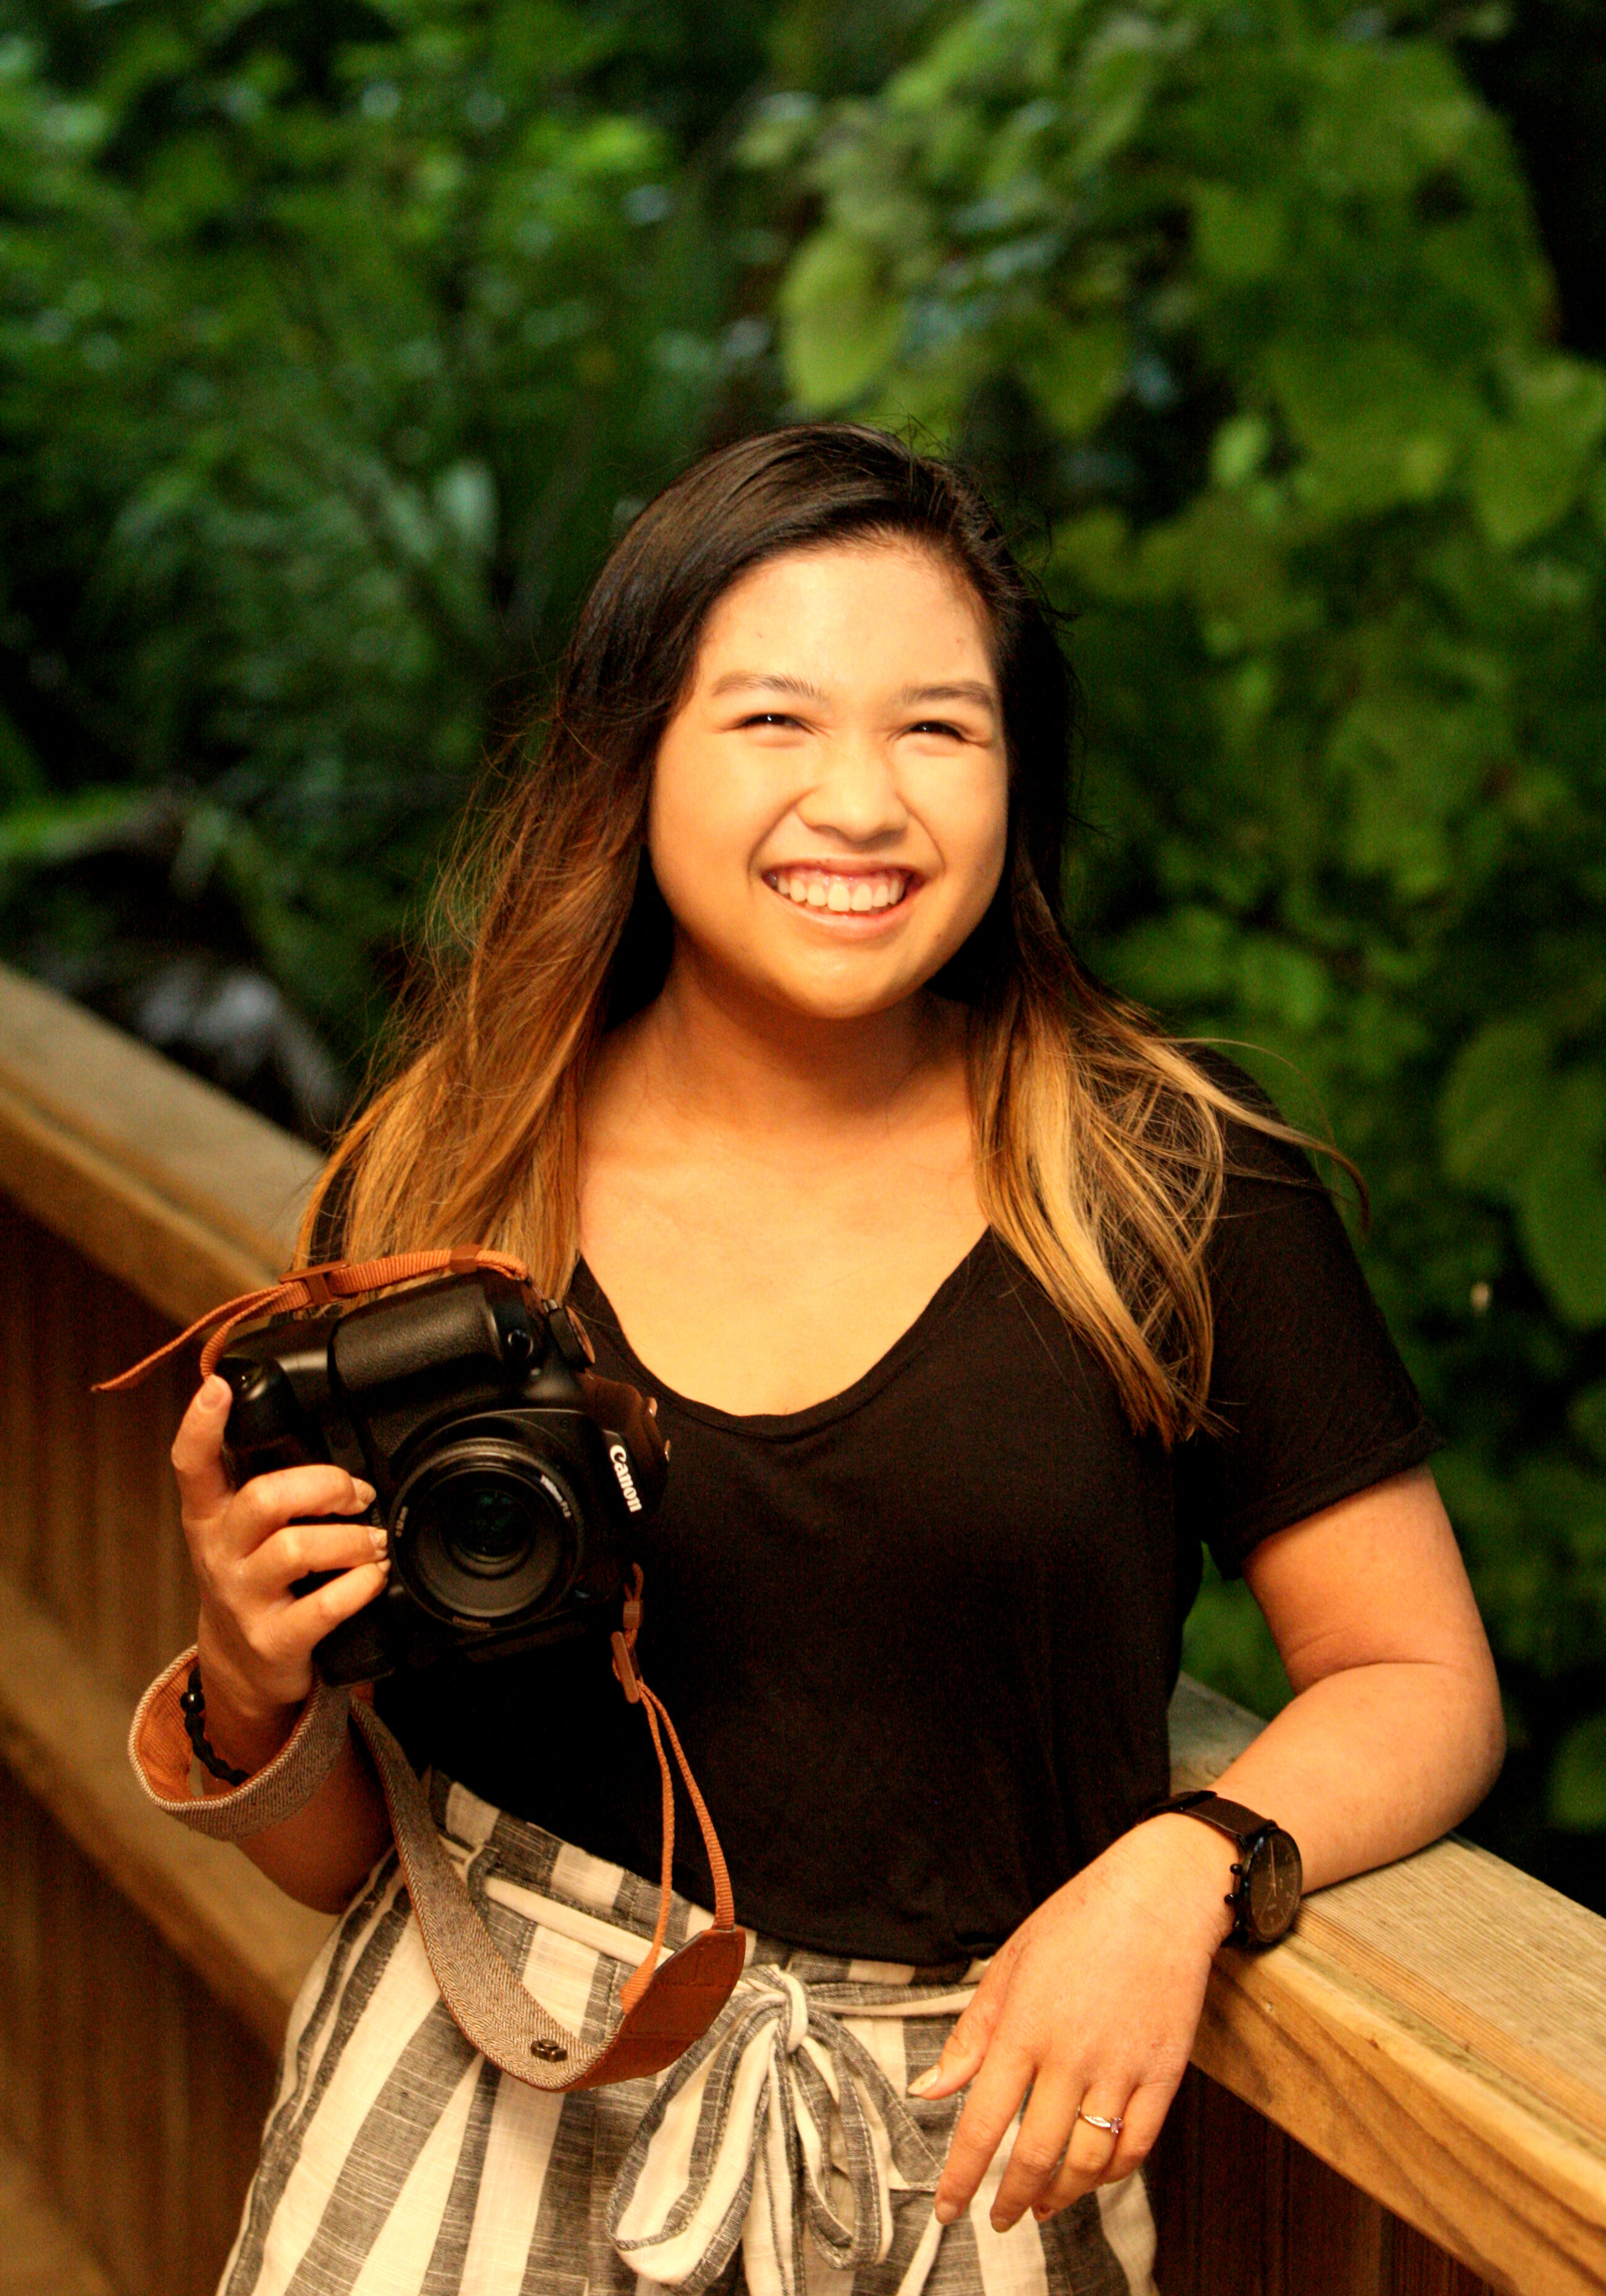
<point x="974" y="1308"/>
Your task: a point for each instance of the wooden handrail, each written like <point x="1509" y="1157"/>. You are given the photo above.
<point x="1436" y="2031"/>
<point x="167" y="1184"/>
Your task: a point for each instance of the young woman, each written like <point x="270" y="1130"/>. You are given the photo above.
<point x="974" y="1305"/>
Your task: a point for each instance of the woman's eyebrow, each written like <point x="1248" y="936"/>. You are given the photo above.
<point x="741" y="680"/>
<point x="967" y="690"/>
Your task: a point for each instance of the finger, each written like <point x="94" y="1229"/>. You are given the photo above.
<point x="272" y="1569"/>
<point x="1045" y="2130"/>
<point x="995" y="2098"/>
<point x="197" y="1453"/>
<point x="265" y="1506"/>
<point x="1102" y="2159"/>
<point x="312" y="1615"/>
<point x="967" y="2045"/>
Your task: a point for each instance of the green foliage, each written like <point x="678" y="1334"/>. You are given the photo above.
<point x="330" y="345"/>
<point x="1243" y="304"/>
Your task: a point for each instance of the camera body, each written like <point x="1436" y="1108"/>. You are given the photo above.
<point x="512" y="1479"/>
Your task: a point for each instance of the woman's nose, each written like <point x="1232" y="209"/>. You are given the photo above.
<point x="854" y="794"/>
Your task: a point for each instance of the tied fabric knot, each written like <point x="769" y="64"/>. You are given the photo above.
<point x="778" y="2127"/>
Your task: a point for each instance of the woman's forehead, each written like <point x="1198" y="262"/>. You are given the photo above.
<point x="888" y="611"/>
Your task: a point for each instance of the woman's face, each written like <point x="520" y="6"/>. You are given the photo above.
<point x="829" y="802"/>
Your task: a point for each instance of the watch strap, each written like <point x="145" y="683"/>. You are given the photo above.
<point x="1229" y="1817"/>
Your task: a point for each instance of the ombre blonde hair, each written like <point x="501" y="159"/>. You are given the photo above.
<point x="1099" y="1144"/>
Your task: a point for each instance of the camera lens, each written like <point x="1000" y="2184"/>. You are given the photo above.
<point x="486" y="1531"/>
<point x="490" y="1528"/>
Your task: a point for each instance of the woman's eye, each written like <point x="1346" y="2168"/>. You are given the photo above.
<point x="768" y="718"/>
<point x="936" y="726"/>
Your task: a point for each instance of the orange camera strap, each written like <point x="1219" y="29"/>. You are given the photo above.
<point x="313" y="1287"/>
<point x="665" y="2004"/>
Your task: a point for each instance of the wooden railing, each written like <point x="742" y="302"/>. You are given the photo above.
<point x="1407" y="2097"/>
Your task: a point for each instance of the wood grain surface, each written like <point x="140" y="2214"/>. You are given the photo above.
<point x="1436" y="2030"/>
<point x="64" y="1735"/>
<point x="155" y="1177"/>
<point x="135" y="2095"/>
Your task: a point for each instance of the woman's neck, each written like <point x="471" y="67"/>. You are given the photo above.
<point x="707" y="1057"/>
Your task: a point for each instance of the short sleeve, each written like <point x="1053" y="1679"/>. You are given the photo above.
<point x="1309" y="1400"/>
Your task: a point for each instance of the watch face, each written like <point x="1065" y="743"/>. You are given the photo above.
<point x="1273" y="1881"/>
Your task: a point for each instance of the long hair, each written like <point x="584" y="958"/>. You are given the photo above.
<point x="1099" y="1142"/>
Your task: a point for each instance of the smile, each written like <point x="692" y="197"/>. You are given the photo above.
<point x="847" y="894"/>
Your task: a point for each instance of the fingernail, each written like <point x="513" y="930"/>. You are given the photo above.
<point x="216" y="1393"/>
<point x="927" y="2081"/>
<point x="945" y="2212"/>
<point x="365" y="1494"/>
<point x="1000" y="2222"/>
<point x="380" y="1540"/>
<point x="384" y="1566"/>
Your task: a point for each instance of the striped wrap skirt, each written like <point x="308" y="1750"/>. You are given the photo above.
<point x="781" y="2156"/>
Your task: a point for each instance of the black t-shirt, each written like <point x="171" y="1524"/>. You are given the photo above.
<point x="919" y="1640"/>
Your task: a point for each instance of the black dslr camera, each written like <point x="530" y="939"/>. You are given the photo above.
<point x="512" y="1478"/>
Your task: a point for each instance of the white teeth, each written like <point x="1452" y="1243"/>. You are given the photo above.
<point x="825" y="889"/>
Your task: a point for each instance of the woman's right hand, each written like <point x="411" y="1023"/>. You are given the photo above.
<point x="248" y="1547"/>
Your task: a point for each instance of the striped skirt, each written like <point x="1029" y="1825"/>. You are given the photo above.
<point x="782" y="2156"/>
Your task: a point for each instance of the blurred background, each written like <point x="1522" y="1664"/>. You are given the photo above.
<point x="339" y="337"/>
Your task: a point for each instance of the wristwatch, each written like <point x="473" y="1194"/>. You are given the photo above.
<point x="1265" y="1896"/>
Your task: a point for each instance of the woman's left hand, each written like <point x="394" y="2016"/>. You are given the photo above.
<point x="1091" y="2007"/>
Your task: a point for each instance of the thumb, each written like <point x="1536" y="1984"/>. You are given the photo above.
<point x="967" y="2045"/>
<point x="197" y="1453"/>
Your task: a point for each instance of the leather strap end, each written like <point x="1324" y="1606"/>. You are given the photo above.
<point x="624" y="1670"/>
<point x="160" y="1750"/>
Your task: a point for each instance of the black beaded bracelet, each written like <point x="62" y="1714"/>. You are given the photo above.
<point x="192" y="1699"/>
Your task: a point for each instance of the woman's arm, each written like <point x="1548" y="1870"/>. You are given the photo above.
<point x="1395" y="1732"/>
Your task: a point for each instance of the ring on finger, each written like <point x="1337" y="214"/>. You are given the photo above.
<point x="1111" y="2123"/>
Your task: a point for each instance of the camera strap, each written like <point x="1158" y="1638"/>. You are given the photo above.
<point x="313" y="1287"/>
<point x="665" y="2004"/>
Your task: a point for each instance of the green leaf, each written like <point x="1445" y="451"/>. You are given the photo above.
<point x="1239" y="448"/>
<point x="1380" y="422"/>
<point x="1561" y="1198"/>
<point x="1237" y="238"/>
<point x="1493" y="1105"/>
<point x="1576" y="1792"/>
<point x="44" y="833"/>
<point x="841" y="325"/>
<point x="1526" y="474"/>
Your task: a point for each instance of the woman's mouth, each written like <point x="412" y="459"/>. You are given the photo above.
<point x="847" y="892"/>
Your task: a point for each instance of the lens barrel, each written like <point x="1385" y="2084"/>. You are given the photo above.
<point x="486" y="1531"/>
